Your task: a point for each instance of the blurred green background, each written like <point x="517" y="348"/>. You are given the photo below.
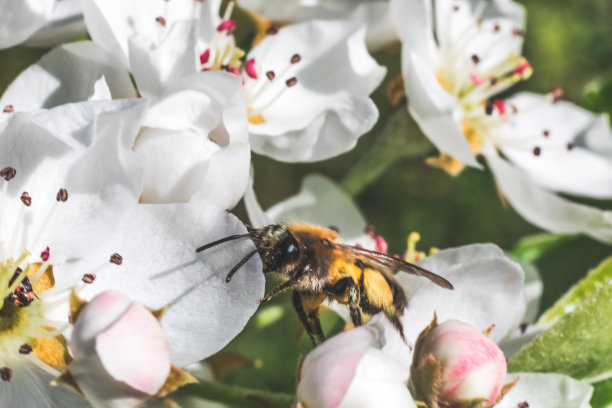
<point x="568" y="43"/>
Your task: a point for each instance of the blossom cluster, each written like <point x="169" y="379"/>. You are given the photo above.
<point x="124" y="148"/>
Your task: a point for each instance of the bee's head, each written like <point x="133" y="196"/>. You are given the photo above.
<point x="277" y="247"/>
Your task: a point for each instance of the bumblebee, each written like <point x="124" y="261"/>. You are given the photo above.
<point x="320" y="267"/>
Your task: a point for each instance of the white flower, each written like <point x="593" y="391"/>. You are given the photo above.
<point x="194" y="139"/>
<point x="121" y="356"/>
<point x="67" y="182"/>
<point x="374" y="13"/>
<point x="477" y="55"/>
<point x="306" y="86"/>
<point x="20" y="19"/>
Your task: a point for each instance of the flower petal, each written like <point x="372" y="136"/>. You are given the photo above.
<point x="546" y="209"/>
<point x="64" y="25"/>
<point x="556" y="166"/>
<point x="160" y="267"/>
<point x="67" y="74"/>
<point x="414" y="25"/>
<point x="21" y="19"/>
<point x="547" y="391"/>
<point x="488" y="290"/>
<point x="433" y="109"/>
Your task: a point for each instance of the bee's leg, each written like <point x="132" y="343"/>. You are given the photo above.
<point x="299" y="308"/>
<point x="280" y="288"/>
<point x="354" y="298"/>
<point x="316" y="323"/>
<point x="397" y="323"/>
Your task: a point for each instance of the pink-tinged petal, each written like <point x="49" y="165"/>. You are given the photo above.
<point x="134" y="350"/>
<point x="328" y="371"/>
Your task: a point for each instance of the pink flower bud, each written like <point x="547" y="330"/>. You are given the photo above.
<point x="471" y="366"/>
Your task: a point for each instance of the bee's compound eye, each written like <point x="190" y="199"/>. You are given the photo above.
<point x="292" y="248"/>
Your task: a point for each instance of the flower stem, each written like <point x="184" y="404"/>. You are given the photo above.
<point x="239" y="396"/>
<point x="399" y="138"/>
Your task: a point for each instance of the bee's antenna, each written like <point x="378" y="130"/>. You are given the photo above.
<point x="238" y="265"/>
<point x="222" y="240"/>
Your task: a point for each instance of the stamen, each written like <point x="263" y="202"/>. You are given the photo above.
<point x="270" y="75"/>
<point x="229" y="26"/>
<point x="523" y="404"/>
<point x="205" y="56"/>
<point x="161" y="21"/>
<point x="6" y="374"/>
<point x="537" y="151"/>
<point x="249" y="68"/>
<point x="475" y="59"/>
<point x="26" y="199"/>
<point x="546" y="133"/>
<point x="295" y="58"/>
<point x="116" y="259"/>
<point x="62" y="195"/>
<point x="25" y="349"/>
<point x="570" y="146"/>
<point x="8" y="173"/>
<point x="41" y="270"/>
<point x="291" y="81"/>
<point x="89" y="278"/>
<point x="8" y="109"/>
<point x="272" y="30"/>
<point x="44" y="255"/>
<point x="229" y="9"/>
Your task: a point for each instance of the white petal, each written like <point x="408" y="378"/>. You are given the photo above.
<point x="547" y="391"/>
<point x="320" y="201"/>
<point x="576" y="171"/>
<point x="84" y="148"/>
<point x="519" y="338"/>
<point x="101" y="91"/>
<point x="329" y="369"/>
<point x="154" y="67"/>
<point x="20" y="19"/>
<point x="414" y="24"/>
<point x="433" y="109"/>
<point x="67" y="74"/>
<point x="321" y="95"/>
<point x="30" y="387"/>
<point x="488" y="290"/>
<point x="598" y="137"/>
<point x="112" y="22"/>
<point x="160" y="266"/>
<point x="65" y="24"/>
<point x="546" y="209"/>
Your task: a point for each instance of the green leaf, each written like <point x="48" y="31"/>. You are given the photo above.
<point x="532" y="247"/>
<point x="602" y="396"/>
<point x="596" y="279"/>
<point x="578" y="345"/>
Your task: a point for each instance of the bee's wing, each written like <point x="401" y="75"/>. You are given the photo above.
<point x="396" y="264"/>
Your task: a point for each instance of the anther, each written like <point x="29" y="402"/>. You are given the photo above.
<point x="62" y="195"/>
<point x="546" y="133"/>
<point x="161" y="21"/>
<point x="270" y="75"/>
<point x="496" y="28"/>
<point x="8" y="173"/>
<point x="500" y="105"/>
<point x="556" y="93"/>
<point x="493" y="81"/>
<point x="89" y="278"/>
<point x="26" y="199"/>
<point x="291" y="81"/>
<point x="475" y="59"/>
<point x="455" y="8"/>
<point x="514" y="108"/>
<point x="227" y="25"/>
<point x="489" y="108"/>
<point x="523" y="404"/>
<point x="205" y="56"/>
<point x="327" y="243"/>
<point x="570" y="146"/>
<point x="272" y="30"/>
<point x="296" y="58"/>
<point x="25" y="349"/>
<point x="116" y="259"/>
<point x="537" y="150"/>
<point x="6" y="373"/>
<point x="44" y="255"/>
<point x="8" y="109"/>
<point x="249" y="68"/>
<point x="518" y="32"/>
<point x="523" y="327"/>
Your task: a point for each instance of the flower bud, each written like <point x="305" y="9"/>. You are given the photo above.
<point x="121" y="356"/>
<point x="456" y="365"/>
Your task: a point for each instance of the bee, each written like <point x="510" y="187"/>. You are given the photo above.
<point x="320" y="267"/>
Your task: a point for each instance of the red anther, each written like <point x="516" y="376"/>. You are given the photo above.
<point x="500" y="106"/>
<point x="522" y="68"/>
<point x="227" y="25"/>
<point x="44" y="255"/>
<point x="476" y="79"/>
<point x="205" y="56"/>
<point x="381" y="244"/>
<point x="249" y="68"/>
<point x="234" y="71"/>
